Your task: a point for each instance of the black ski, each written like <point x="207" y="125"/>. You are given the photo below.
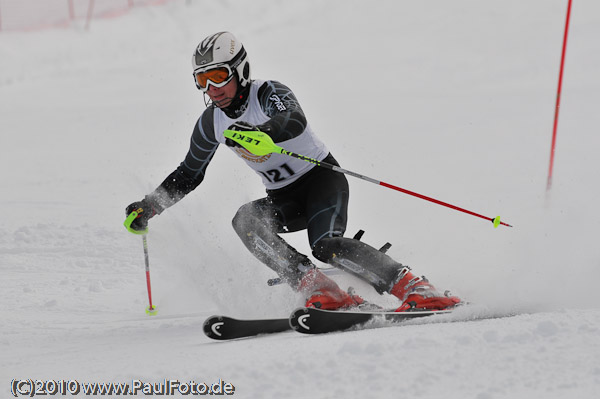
<point x="317" y="321"/>
<point x="306" y="321"/>
<point x="223" y="328"/>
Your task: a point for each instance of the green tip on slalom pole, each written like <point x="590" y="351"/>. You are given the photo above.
<point x="496" y="221"/>
<point x="151" y="311"/>
<point x="132" y="216"/>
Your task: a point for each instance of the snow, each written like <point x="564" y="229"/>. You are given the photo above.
<point x="454" y="100"/>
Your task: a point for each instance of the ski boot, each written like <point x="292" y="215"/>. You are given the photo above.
<point x="416" y="293"/>
<point x="323" y="293"/>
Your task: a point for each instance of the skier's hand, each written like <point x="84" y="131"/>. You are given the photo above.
<point x="145" y="211"/>
<point x="240" y="126"/>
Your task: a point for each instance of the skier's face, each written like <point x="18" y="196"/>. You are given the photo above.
<point x="223" y="96"/>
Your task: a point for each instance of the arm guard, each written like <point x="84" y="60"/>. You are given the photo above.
<point x="287" y="118"/>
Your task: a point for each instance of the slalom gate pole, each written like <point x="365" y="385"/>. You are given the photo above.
<point x="259" y="143"/>
<point x="151" y="310"/>
<point x="556" y="110"/>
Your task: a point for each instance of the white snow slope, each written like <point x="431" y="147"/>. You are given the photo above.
<point x="451" y="99"/>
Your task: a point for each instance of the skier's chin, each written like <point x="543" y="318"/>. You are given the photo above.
<point x="223" y="102"/>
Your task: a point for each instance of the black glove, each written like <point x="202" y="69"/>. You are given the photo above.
<point x="240" y="126"/>
<point x="145" y="211"/>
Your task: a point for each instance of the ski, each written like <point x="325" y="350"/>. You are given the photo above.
<point x="224" y="328"/>
<point x="306" y="321"/>
<point x="318" y="321"/>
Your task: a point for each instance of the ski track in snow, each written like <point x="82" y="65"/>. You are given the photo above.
<point x="93" y="120"/>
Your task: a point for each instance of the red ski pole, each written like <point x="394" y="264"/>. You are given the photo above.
<point x="151" y="309"/>
<point x="259" y="143"/>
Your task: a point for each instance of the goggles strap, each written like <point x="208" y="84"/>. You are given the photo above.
<point x="237" y="60"/>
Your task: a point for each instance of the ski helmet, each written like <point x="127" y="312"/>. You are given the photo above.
<point x="226" y="55"/>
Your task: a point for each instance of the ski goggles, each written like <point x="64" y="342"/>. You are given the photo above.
<point x="217" y="76"/>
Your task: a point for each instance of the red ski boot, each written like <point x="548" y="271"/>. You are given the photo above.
<point x="323" y="293"/>
<point x="416" y="293"/>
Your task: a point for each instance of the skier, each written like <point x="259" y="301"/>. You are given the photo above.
<point x="300" y="195"/>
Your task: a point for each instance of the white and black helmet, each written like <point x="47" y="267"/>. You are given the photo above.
<point x="224" y="52"/>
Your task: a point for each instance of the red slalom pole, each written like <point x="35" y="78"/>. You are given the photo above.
<point x="560" y="79"/>
<point x="71" y="10"/>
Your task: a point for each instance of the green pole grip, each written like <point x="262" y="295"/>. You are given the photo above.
<point x="132" y="216"/>
<point x="257" y="142"/>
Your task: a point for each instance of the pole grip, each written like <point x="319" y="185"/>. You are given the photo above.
<point x="132" y="216"/>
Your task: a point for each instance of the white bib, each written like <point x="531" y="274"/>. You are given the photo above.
<point x="276" y="170"/>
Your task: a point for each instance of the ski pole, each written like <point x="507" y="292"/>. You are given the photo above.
<point x="259" y="143"/>
<point x="151" y="309"/>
